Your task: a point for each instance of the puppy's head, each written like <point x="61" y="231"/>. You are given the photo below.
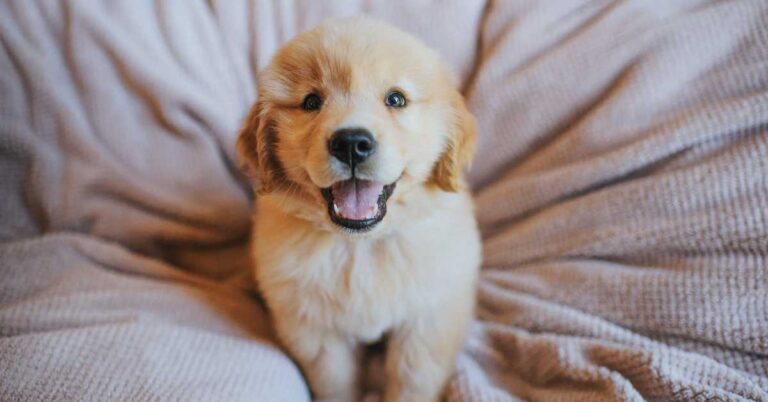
<point x="353" y="115"/>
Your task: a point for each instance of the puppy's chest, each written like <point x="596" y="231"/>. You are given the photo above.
<point x="361" y="288"/>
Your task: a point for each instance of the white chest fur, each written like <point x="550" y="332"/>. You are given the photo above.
<point x="363" y="287"/>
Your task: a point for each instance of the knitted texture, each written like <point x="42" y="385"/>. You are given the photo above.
<point x="621" y="184"/>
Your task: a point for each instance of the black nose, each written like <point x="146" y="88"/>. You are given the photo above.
<point x="352" y="145"/>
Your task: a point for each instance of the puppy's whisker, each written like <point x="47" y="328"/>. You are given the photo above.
<point x="286" y="171"/>
<point x="291" y="192"/>
<point x="290" y="169"/>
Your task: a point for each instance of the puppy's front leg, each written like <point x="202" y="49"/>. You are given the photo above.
<point x="329" y="362"/>
<point x="421" y="355"/>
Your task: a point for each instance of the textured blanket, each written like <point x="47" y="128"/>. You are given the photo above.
<point x="621" y="183"/>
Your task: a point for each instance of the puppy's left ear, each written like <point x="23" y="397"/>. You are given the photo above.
<point x="459" y="149"/>
<point x="255" y="147"/>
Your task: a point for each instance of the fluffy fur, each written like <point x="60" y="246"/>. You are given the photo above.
<point x="411" y="278"/>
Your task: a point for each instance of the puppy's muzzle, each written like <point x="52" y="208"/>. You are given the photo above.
<point x="356" y="204"/>
<point x="352" y="146"/>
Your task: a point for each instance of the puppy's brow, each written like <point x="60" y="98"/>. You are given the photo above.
<point x="339" y="73"/>
<point x="312" y="75"/>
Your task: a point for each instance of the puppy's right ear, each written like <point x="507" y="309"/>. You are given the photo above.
<point x="459" y="148"/>
<point x="255" y="148"/>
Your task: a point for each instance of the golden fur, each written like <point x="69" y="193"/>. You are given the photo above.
<point x="411" y="278"/>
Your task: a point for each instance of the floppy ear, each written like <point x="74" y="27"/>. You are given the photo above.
<point x="255" y="145"/>
<point x="459" y="148"/>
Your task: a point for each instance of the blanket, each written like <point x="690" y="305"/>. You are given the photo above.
<point x="621" y="186"/>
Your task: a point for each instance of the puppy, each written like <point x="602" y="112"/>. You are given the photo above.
<point x="364" y="225"/>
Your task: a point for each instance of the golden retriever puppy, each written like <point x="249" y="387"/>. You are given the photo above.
<point x="364" y="226"/>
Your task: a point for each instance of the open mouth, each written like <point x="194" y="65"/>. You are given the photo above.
<point x="357" y="205"/>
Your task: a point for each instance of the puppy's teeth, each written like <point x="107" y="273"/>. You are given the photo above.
<point x="335" y="208"/>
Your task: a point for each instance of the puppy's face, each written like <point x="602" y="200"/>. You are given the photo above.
<point x="351" y="117"/>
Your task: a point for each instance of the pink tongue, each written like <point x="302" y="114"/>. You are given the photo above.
<point x="356" y="199"/>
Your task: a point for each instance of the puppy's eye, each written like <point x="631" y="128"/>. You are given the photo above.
<point x="395" y="99"/>
<point x="311" y="102"/>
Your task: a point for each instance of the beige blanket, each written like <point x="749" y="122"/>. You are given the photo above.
<point x="621" y="181"/>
